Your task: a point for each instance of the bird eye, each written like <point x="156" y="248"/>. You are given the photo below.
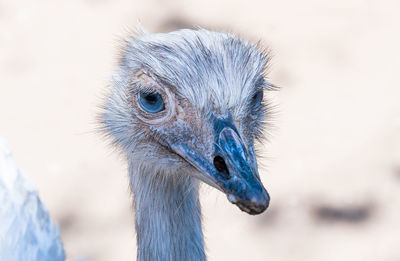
<point x="151" y="101"/>
<point x="257" y="99"/>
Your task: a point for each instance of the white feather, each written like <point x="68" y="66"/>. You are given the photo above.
<point x="26" y="230"/>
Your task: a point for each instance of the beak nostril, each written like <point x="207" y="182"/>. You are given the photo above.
<point x="220" y="165"/>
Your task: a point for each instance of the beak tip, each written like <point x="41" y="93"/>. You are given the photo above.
<point x="254" y="206"/>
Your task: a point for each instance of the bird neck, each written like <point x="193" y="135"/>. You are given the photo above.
<point x="168" y="216"/>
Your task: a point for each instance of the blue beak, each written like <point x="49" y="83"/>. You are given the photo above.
<point x="236" y="167"/>
<point x="232" y="168"/>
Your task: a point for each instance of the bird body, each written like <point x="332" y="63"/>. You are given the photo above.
<point x="26" y="230"/>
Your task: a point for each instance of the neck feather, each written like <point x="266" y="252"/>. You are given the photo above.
<point x="168" y="216"/>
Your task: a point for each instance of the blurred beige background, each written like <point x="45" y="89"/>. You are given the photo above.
<point x="332" y="165"/>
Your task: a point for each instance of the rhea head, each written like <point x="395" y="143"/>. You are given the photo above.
<point x="190" y="103"/>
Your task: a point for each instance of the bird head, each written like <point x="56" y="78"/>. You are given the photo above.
<point x="191" y="101"/>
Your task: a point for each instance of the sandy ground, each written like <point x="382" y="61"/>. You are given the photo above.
<point x="332" y="165"/>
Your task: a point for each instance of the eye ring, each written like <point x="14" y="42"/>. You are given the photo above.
<point x="151" y="101"/>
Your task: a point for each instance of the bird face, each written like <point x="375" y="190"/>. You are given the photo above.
<point x="179" y="120"/>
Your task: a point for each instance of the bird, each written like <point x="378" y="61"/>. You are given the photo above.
<point x="185" y="108"/>
<point x="27" y="233"/>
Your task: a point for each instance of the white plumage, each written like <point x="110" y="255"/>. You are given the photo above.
<point x="26" y="230"/>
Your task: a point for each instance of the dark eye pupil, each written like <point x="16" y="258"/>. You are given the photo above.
<point x="151" y="98"/>
<point x="151" y="102"/>
<point x="257" y="98"/>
